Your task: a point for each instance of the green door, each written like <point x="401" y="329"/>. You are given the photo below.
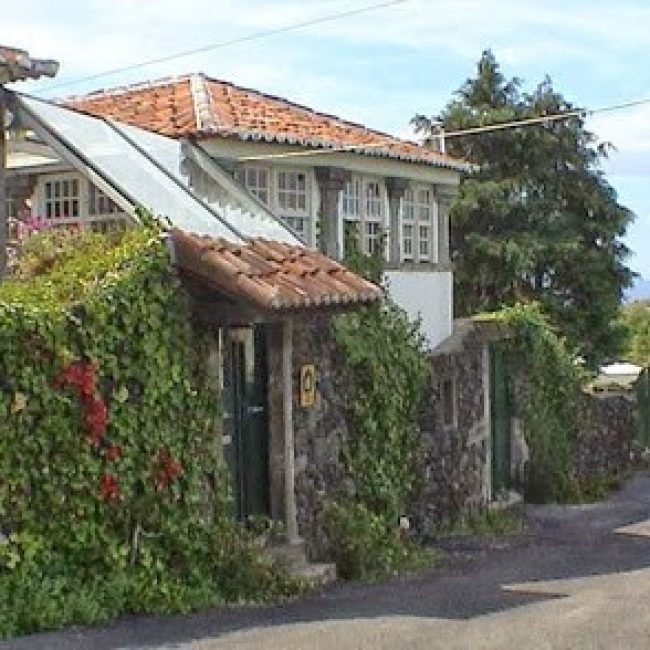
<point x="643" y="403"/>
<point x="500" y="416"/>
<point x="246" y="445"/>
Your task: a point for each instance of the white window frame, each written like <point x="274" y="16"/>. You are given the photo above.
<point x="417" y="214"/>
<point x="367" y="206"/>
<point x="299" y="218"/>
<point x="87" y="216"/>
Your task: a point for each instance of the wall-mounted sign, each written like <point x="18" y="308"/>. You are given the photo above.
<point x="307" y="385"/>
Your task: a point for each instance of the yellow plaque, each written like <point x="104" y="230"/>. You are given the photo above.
<point x="307" y="385"/>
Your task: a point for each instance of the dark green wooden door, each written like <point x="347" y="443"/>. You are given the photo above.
<point x="246" y="445"/>
<point x="643" y="403"/>
<point x="500" y="416"/>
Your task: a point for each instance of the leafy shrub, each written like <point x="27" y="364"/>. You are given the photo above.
<point x="113" y="492"/>
<point x="387" y="368"/>
<point x="365" y="547"/>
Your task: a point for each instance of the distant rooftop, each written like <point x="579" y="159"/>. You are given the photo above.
<point x="17" y="65"/>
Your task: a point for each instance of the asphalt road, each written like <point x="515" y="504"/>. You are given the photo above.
<point x="461" y="601"/>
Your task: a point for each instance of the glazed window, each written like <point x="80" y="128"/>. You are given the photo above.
<point x="62" y="198"/>
<point x="69" y="198"/>
<point x="362" y="208"/>
<point x="418" y="219"/>
<point x="351" y="200"/>
<point x="286" y="192"/>
<point x="99" y="203"/>
<point x="256" y="180"/>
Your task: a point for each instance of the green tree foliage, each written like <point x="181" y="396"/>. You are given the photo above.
<point x="635" y="318"/>
<point x="537" y="220"/>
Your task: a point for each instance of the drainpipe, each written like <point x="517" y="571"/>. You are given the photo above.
<point x="290" y="516"/>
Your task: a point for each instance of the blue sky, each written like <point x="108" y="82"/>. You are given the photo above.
<point x="378" y="68"/>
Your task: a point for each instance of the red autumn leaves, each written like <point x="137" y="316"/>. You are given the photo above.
<point x="167" y="472"/>
<point x="108" y="487"/>
<point x="83" y="378"/>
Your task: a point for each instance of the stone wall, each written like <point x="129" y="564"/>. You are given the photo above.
<point x="453" y="456"/>
<point x="318" y="430"/>
<point x="608" y="434"/>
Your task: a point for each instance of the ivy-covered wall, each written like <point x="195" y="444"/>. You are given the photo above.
<point x="113" y="494"/>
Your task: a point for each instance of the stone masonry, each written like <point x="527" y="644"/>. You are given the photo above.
<point x="453" y="450"/>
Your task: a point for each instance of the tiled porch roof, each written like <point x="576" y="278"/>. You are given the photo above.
<point x="197" y="105"/>
<point x="269" y="275"/>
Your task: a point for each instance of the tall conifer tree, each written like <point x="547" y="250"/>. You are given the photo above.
<point x="538" y="219"/>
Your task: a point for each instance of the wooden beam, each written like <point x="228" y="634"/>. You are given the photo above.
<point x="290" y="516"/>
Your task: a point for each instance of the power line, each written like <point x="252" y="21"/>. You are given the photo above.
<point x="542" y="119"/>
<point x="221" y="44"/>
<point x="487" y="128"/>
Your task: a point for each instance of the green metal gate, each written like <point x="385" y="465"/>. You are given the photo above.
<point x="643" y="404"/>
<point x="500" y="418"/>
<point x="246" y="446"/>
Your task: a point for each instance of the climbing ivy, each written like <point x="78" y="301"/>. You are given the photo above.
<point x="386" y="369"/>
<point x="113" y="494"/>
<point x="384" y="354"/>
<point x="547" y="385"/>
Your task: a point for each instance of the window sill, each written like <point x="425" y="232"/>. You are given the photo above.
<point x="419" y="266"/>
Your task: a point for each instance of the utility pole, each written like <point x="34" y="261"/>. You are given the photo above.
<point x="15" y="65"/>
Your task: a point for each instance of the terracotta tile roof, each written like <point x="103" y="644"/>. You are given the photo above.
<point x="269" y="275"/>
<point x="16" y="65"/>
<point x="201" y="106"/>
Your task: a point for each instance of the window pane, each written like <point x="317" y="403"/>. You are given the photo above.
<point x="424" y="235"/>
<point x="373" y="200"/>
<point x="407" y="241"/>
<point x="292" y="193"/>
<point x="123" y="165"/>
<point x="350" y="200"/>
<point x="371" y="238"/>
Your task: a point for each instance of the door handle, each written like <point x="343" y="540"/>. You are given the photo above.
<point x="254" y="410"/>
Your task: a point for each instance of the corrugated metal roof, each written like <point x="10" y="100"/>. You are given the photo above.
<point x="150" y="170"/>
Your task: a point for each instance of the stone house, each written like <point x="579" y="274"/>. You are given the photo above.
<point x="269" y="182"/>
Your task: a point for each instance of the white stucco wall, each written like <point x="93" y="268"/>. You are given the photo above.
<point x="427" y="295"/>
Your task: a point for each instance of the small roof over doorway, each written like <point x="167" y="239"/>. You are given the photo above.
<point x="269" y="278"/>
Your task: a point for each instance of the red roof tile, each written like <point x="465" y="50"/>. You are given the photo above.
<point x="269" y="275"/>
<point x="201" y="106"/>
<point x="16" y="65"/>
